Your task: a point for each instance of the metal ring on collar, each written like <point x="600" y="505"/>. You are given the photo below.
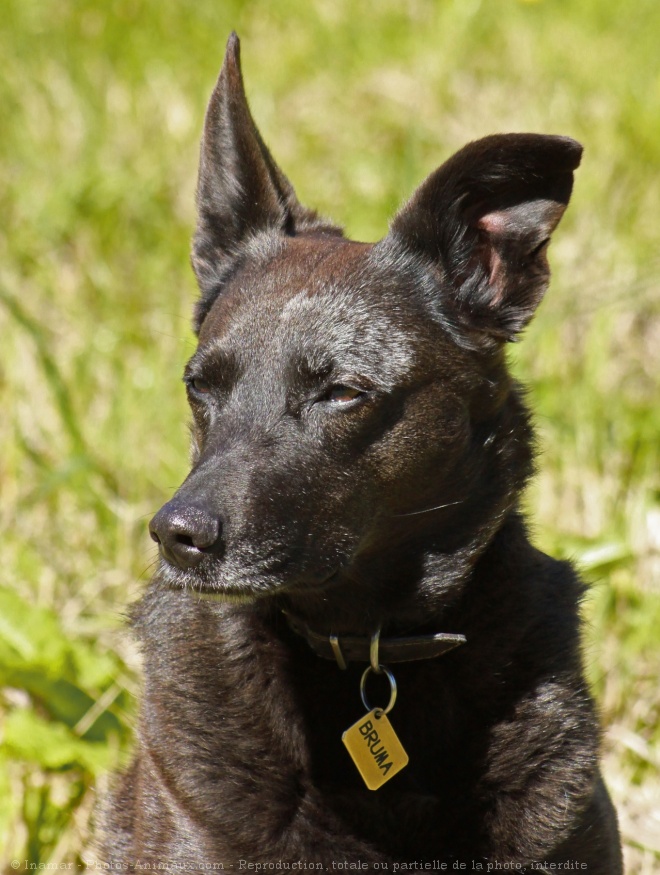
<point x="393" y="689"/>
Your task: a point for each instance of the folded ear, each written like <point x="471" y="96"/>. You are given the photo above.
<point x="240" y="189"/>
<point x="485" y="218"/>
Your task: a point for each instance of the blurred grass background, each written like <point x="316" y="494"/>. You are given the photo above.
<point x="101" y="106"/>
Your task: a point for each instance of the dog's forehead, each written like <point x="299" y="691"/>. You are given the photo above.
<point x="324" y="302"/>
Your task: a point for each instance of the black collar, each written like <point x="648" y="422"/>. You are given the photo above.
<point x="346" y="648"/>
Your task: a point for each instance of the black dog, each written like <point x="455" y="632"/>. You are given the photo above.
<point x="359" y="453"/>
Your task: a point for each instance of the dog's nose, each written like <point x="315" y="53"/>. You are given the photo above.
<point x="184" y="533"/>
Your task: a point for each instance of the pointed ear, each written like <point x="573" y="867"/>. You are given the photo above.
<point x="485" y="218"/>
<point x="240" y="189"/>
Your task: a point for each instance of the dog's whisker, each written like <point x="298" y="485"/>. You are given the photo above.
<point x="429" y="509"/>
<point x="148" y="569"/>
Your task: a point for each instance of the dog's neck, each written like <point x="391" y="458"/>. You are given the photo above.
<point x="419" y="595"/>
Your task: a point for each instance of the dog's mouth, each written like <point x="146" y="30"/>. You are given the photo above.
<point x="236" y="583"/>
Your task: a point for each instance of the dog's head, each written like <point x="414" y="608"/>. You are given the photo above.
<point x="351" y="404"/>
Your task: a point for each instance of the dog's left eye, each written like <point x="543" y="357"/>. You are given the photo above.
<point x="341" y="394"/>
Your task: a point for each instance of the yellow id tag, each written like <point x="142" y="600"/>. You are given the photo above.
<point x="375" y="748"/>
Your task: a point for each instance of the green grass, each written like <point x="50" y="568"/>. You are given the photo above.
<point x="102" y="105"/>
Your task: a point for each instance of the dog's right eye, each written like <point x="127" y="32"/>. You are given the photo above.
<point x="199" y="385"/>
